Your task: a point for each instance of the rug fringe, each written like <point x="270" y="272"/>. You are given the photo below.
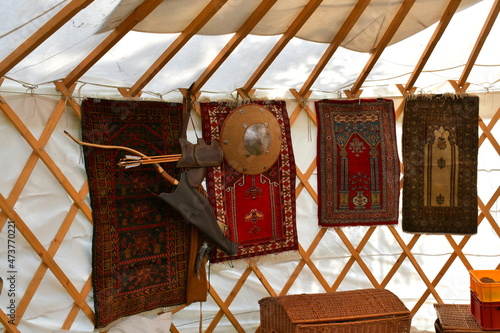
<point x="424" y="96"/>
<point x="255" y="261"/>
<point x="237" y="102"/>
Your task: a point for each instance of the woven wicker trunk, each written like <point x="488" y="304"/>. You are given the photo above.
<point x="353" y="311"/>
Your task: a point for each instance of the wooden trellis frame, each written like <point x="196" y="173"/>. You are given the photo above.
<point x="78" y="196"/>
<point x="304" y="187"/>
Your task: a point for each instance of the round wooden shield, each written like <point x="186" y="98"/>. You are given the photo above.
<point x="251" y="139"/>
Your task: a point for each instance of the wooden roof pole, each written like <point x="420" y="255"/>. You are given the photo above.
<point x="6" y="323"/>
<point x="461" y="85"/>
<point x="203" y="17"/>
<point x="436" y="36"/>
<point x="121" y="30"/>
<point x="303" y="95"/>
<point x="292" y="30"/>
<point x="349" y="23"/>
<point x="242" y="32"/>
<point x="354" y="92"/>
<point x="44" y="32"/>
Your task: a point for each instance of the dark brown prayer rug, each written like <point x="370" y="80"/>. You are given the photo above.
<point x="358" y="165"/>
<point x="440" y="144"/>
<point x="141" y="248"/>
<point x="256" y="205"/>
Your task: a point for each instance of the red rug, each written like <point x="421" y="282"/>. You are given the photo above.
<point x="141" y="248"/>
<point x="358" y="165"/>
<point x="258" y="210"/>
<point x="440" y="145"/>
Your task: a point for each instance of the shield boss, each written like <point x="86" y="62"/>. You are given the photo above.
<point x="251" y="139"/>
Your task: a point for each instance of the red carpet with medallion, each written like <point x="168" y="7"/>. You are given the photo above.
<point x="258" y="210"/>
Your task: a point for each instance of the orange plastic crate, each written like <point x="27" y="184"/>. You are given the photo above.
<point x="486" y="292"/>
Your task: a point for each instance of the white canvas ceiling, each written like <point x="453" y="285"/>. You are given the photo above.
<point x="174" y="16"/>
<point x="131" y="57"/>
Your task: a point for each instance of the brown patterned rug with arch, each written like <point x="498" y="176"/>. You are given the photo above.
<point x="440" y="145"/>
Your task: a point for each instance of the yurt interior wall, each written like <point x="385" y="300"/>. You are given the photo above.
<point x="56" y="53"/>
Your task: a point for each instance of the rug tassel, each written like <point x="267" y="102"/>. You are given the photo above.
<point x="423" y="96"/>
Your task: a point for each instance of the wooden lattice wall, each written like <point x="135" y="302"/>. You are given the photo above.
<point x="329" y="260"/>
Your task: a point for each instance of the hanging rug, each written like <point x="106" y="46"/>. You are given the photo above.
<point x="440" y="145"/>
<point x="258" y="208"/>
<point x="358" y="165"/>
<point x="140" y="248"/>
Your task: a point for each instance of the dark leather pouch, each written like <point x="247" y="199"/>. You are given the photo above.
<point x="208" y="155"/>
<point x="200" y="154"/>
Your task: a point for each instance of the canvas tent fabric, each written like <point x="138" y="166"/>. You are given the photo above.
<point x="123" y="65"/>
<point x="43" y="184"/>
<point x="174" y="16"/>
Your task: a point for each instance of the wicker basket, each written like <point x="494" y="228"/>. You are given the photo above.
<point x="456" y="318"/>
<point x="353" y="311"/>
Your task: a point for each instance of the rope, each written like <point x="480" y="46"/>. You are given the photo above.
<point x="33" y="19"/>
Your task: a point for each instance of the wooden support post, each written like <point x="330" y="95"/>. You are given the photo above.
<point x="41" y="34"/>
<point x="485" y="211"/>
<point x="114" y="37"/>
<point x="263" y="280"/>
<point x="357" y="257"/>
<point x="5" y="321"/>
<point x="353" y="94"/>
<point x="224" y="305"/>
<point x="42" y="268"/>
<point x="342" y="33"/>
<point x="459" y="88"/>
<point x="302" y="106"/>
<point x="487" y="134"/>
<point x="306" y="259"/>
<point x="45" y="256"/>
<point x="352" y="259"/>
<point x="43" y="155"/>
<point x="199" y="22"/>
<point x="190" y="100"/>
<point x="384" y="41"/>
<point x="461" y="85"/>
<point x="67" y="95"/>
<point x="237" y="38"/>
<point x="245" y="94"/>
<point x="304" y="181"/>
<point x="405" y="92"/>
<point x="440" y="28"/>
<point x="290" y="32"/>
<point x="438" y="278"/>
<point x="126" y="92"/>
<point x="415" y="263"/>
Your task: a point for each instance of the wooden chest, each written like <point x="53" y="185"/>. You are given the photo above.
<point x="353" y="311"/>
